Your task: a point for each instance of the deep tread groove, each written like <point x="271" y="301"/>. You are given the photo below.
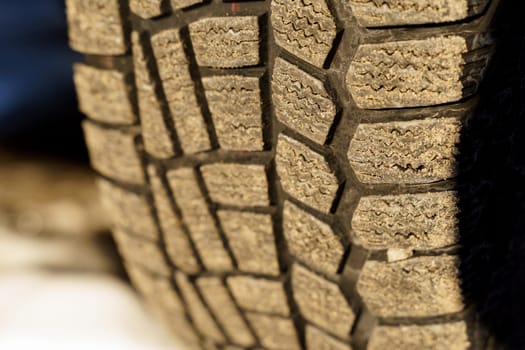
<point x="240" y="310"/>
<point x="159" y="92"/>
<point x="192" y="280"/>
<point x="213" y="213"/>
<point x="284" y="257"/>
<point x="199" y="89"/>
<point x="162" y="242"/>
<point x="177" y="212"/>
<point x="277" y="197"/>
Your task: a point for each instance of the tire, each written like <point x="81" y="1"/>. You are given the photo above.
<point x="280" y="174"/>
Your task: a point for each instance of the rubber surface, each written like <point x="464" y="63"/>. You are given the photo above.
<point x="281" y="173"/>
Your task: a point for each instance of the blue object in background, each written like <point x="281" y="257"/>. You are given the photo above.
<point x="36" y="86"/>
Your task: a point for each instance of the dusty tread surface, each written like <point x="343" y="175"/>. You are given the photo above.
<point x="274" y="332"/>
<point x="113" y="153"/>
<point x="421" y="286"/>
<point x="146" y="8"/>
<point x="322" y="302"/>
<point x="374" y="13"/>
<point x="226" y="42"/>
<point x="180" y="4"/>
<point x="306" y="28"/>
<point x="301" y="101"/>
<point x="153" y="287"/>
<point x="221" y="304"/>
<point x="419" y="151"/>
<point x="157" y="141"/>
<point x="198" y="219"/>
<point x="259" y="295"/>
<point x="95" y="27"/>
<point x="252" y="241"/>
<point x="129" y="211"/>
<point x="280" y="173"/>
<point x="409" y="73"/>
<point x="148" y="254"/>
<point x="237" y="184"/>
<point x="103" y="94"/>
<point x="235" y="107"/>
<point x="305" y="174"/>
<point x="178" y="244"/>
<point x="408" y="221"/>
<point x="179" y="88"/>
<point x="311" y="240"/>
<point x="198" y="312"/>
<point x="317" y="339"/>
<point x="435" y="336"/>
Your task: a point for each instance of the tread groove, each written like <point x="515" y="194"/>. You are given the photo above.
<point x="160" y="93"/>
<point x="213" y="213"/>
<point x="199" y="89"/>
<point x="162" y="241"/>
<point x="178" y="213"/>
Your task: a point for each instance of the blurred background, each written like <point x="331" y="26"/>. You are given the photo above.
<point x="62" y="285"/>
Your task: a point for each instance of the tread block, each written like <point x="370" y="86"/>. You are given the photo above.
<point x="259" y="295"/>
<point x="237" y="184"/>
<point x="178" y="245"/>
<point x="274" y="333"/>
<point x="95" y="27"/>
<point x="311" y="240"/>
<point x="206" y="344"/>
<point x="417" y="287"/>
<point x="226" y="42"/>
<point x="179" y="89"/>
<point x="316" y="339"/>
<point x="146" y="8"/>
<point x="435" y="336"/>
<point x="413" y="152"/>
<point x="180" y="326"/>
<point x="306" y="28"/>
<point x="112" y="152"/>
<point x="305" y="174"/>
<point x="142" y="252"/>
<point x="409" y="73"/>
<point x="232" y="347"/>
<point x="128" y="211"/>
<point x="103" y="95"/>
<point x="157" y="140"/>
<point x="156" y="290"/>
<point x="235" y="105"/>
<point x="180" y="4"/>
<point x="251" y="240"/>
<point x="199" y="313"/>
<point x="321" y="302"/>
<point x="301" y="101"/>
<point x="198" y="219"/>
<point x="407" y="221"/>
<point x="372" y="13"/>
<point x="218" y="299"/>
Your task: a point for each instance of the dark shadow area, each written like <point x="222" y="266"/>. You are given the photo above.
<point x="492" y="192"/>
<point x="38" y="113"/>
<point x="48" y="198"/>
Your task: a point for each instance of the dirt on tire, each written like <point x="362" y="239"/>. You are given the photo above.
<point x="280" y="174"/>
